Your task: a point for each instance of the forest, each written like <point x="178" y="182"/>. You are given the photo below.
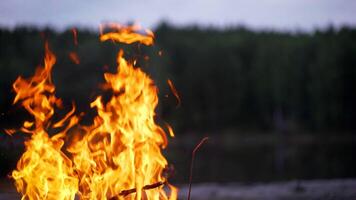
<point x="234" y="80"/>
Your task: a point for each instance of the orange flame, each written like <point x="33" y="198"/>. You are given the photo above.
<point x="73" y="56"/>
<point x="43" y="171"/>
<point x="117" y="157"/>
<point x="126" y="34"/>
<point x="75" y="36"/>
<point x="174" y="91"/>
<point x="170" y="130"/>
<point x="10" y="131"/>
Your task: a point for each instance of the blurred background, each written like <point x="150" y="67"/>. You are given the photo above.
<point x="272" y="83"/>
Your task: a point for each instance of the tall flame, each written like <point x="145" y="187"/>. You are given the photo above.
<point x="117" y="157"/>
<point x="43" y="171"/>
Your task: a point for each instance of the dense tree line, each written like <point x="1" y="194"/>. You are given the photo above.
<point x="234" y="78"/>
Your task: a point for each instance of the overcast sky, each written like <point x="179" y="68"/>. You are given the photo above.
<point x="273" y="14"/>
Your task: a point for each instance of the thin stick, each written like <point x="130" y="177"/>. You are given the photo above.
<point x="133" y="190"/>
<point x="192" y="163"/>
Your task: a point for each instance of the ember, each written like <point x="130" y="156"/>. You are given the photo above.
<point x="117" y="157"/>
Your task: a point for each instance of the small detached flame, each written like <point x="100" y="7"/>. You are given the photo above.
<point x="117" y="157"/>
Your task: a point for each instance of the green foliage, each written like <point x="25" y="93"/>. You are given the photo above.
<point x="233" y="78"/>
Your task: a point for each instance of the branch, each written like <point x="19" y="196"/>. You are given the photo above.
<point x="192" y="164"/>
<point x="133" y="190"/>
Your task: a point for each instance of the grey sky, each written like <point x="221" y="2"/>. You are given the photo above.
<point x="275" y="14"/>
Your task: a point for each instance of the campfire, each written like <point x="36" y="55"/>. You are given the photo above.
<point x="118" y="156"/>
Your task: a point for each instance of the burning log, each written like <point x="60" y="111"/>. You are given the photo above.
<point x="167" y="172"/>
<point x="133" y="190"/>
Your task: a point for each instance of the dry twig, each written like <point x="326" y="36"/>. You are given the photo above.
<point x="133" y="190"/>
<point x="192" y="164"/>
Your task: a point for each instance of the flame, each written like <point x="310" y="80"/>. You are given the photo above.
<point x="170" y="130"/>
<point x="174" y="91"/>
<point x="75" y="36"/>
<point x="126" y="34"/>
<point x="73" y="56"/>
<point x="117" y="157"/>
<point x="43" y="171"/>
<point x="10" y="131"/>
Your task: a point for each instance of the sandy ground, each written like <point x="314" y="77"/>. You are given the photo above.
<point x="342" y="189"/>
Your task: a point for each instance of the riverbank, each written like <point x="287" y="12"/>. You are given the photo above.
<point x="337" y="189"/>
